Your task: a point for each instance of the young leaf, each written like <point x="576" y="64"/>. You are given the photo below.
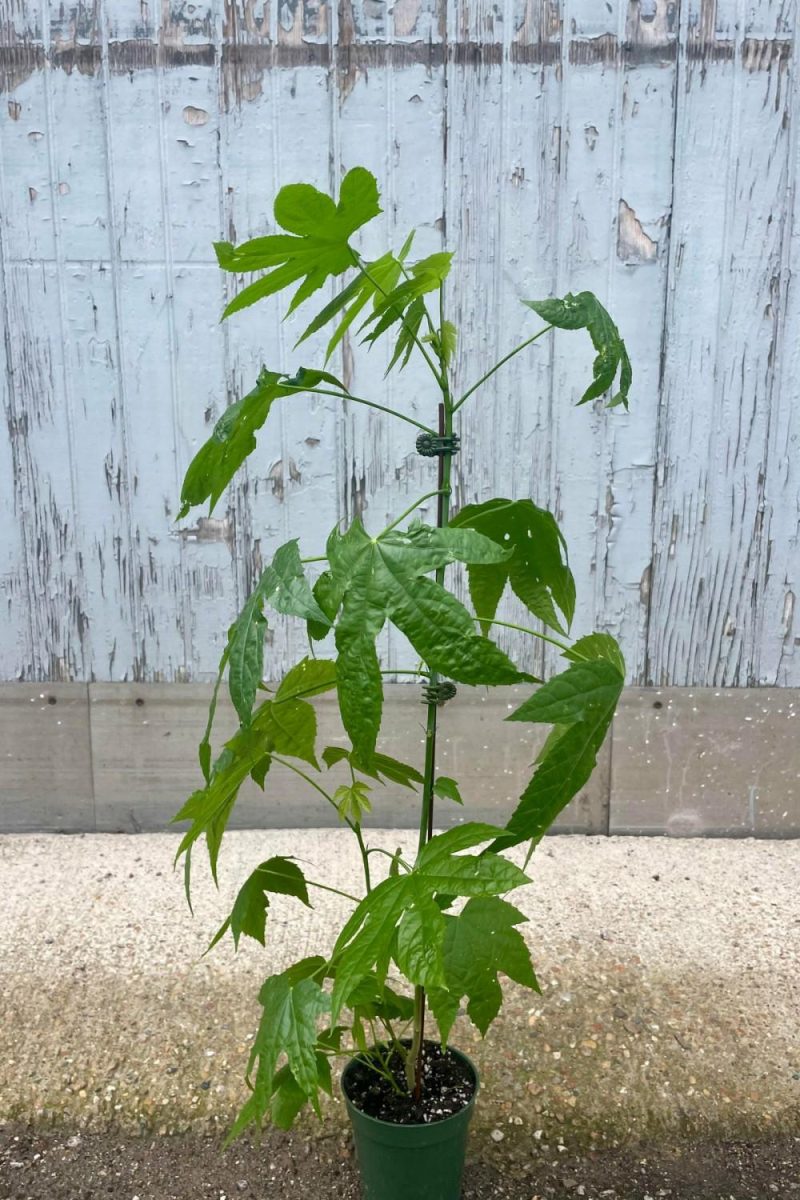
<point x="382" y="766"/>
<point x="319" y="247"/>
<point x="249" y="913"/>
<point x="537" y="570"/>
<point x="309" y="677"/>
<point x="405" y="305"/>
<point x="383" y="579"/>
<point x="377" y="279"/>
<point x="478" y="944"/>
<point x="580" y="703"/>
<point x="444" y="342"/>
<point x="447" y="789"/>
<point x="352" y="800"/>
<point x="585" y="311"/>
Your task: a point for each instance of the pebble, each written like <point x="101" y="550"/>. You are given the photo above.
<point x="497" y="1135"/>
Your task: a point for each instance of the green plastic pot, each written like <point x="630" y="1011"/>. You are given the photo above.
<point x="411" y="1162"/>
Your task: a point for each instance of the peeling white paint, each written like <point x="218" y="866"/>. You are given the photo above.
<point x="643" y="149"/>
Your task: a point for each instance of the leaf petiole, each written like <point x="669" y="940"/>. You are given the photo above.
<point x="362" y="268"/>
<point x="524" y="629"/>
<point x="360" y="400"/>
<point x="410" y="509"/>
<point x="501" y="363"/>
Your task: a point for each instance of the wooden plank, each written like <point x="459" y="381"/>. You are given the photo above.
<point x="501" y="218"/>
<point x="704" y="761"/>
<point x="718" y="378"/>
<point x="289" y="487"/>
<point x="778" y="635"/>
<point x="381" y="472"/>
<point x="144" y="740"/>
<point x="614" y="211"/>
<point x="42" y="446"/>
<point x="45" y="757"/>
<point x="16" y="645"/>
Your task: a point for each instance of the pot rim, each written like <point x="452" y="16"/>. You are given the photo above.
<point x="462" y="1112"/>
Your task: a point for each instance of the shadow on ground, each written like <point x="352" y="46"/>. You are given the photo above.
<point x="53" y="1165"/>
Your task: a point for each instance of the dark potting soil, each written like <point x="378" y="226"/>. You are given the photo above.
<point x="448" y="1086"/>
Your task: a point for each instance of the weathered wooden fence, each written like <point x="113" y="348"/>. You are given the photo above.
<point x="646" y="149"/>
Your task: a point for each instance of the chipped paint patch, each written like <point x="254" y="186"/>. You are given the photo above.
<point x="633" y="244"/>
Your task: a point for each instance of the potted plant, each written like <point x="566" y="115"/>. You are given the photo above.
<point x="440" y="922"/>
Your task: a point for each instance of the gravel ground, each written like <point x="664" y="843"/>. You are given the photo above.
<point x="42" y="1165"/>
<point x="671" y="1005"/>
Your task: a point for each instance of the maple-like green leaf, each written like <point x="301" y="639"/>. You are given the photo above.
<point x="479" y="943"/>
<point x="352" y="800"/>
<point x="288" y="1099"/>
<point x="288" y="1026"/>
<point x="249" y="913"/>
<point x="601" y="646"/>
<point x="284" y="586"/>
<point x="585" y="311"/>
<point x="580" y="704"/>
<point x="444" y="1007"/>
<point x="537" y="570"/>
<point x="285" y="725"/>
<point x="315" y="245"/>
<point x="420" y="936"/>
<point x="447" y="789"/>
<point x="382" y="579"/>
<point x="234" y="435"/>
<point x="370" y="937"/>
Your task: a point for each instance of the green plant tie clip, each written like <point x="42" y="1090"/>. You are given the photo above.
<point x="432" y="445"/>
<point x="438" y="693"/>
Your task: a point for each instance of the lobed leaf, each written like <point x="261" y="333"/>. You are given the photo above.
<point x="580" y="703"/>
<point x="249" y="913"/>
<point x="584" y="311"/>
<point x="480" y="943"/>
<point x="382" y="579"/>
<point x="317" y="247"/>
<point x="536" y="568"/>
<point x="234" y="435"/>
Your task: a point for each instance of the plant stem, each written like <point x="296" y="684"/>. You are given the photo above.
<point x="497" y="366"/>
<point x="426" y="816"/>
<point x="324" y="887"/>
<point x="408" y="511"/>
<point x="356" y="829"/>
<point x="360" y="400"/>
<point x="364" y="856"/>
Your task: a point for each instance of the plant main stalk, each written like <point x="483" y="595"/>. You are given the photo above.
<point x="429" y="773"/>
